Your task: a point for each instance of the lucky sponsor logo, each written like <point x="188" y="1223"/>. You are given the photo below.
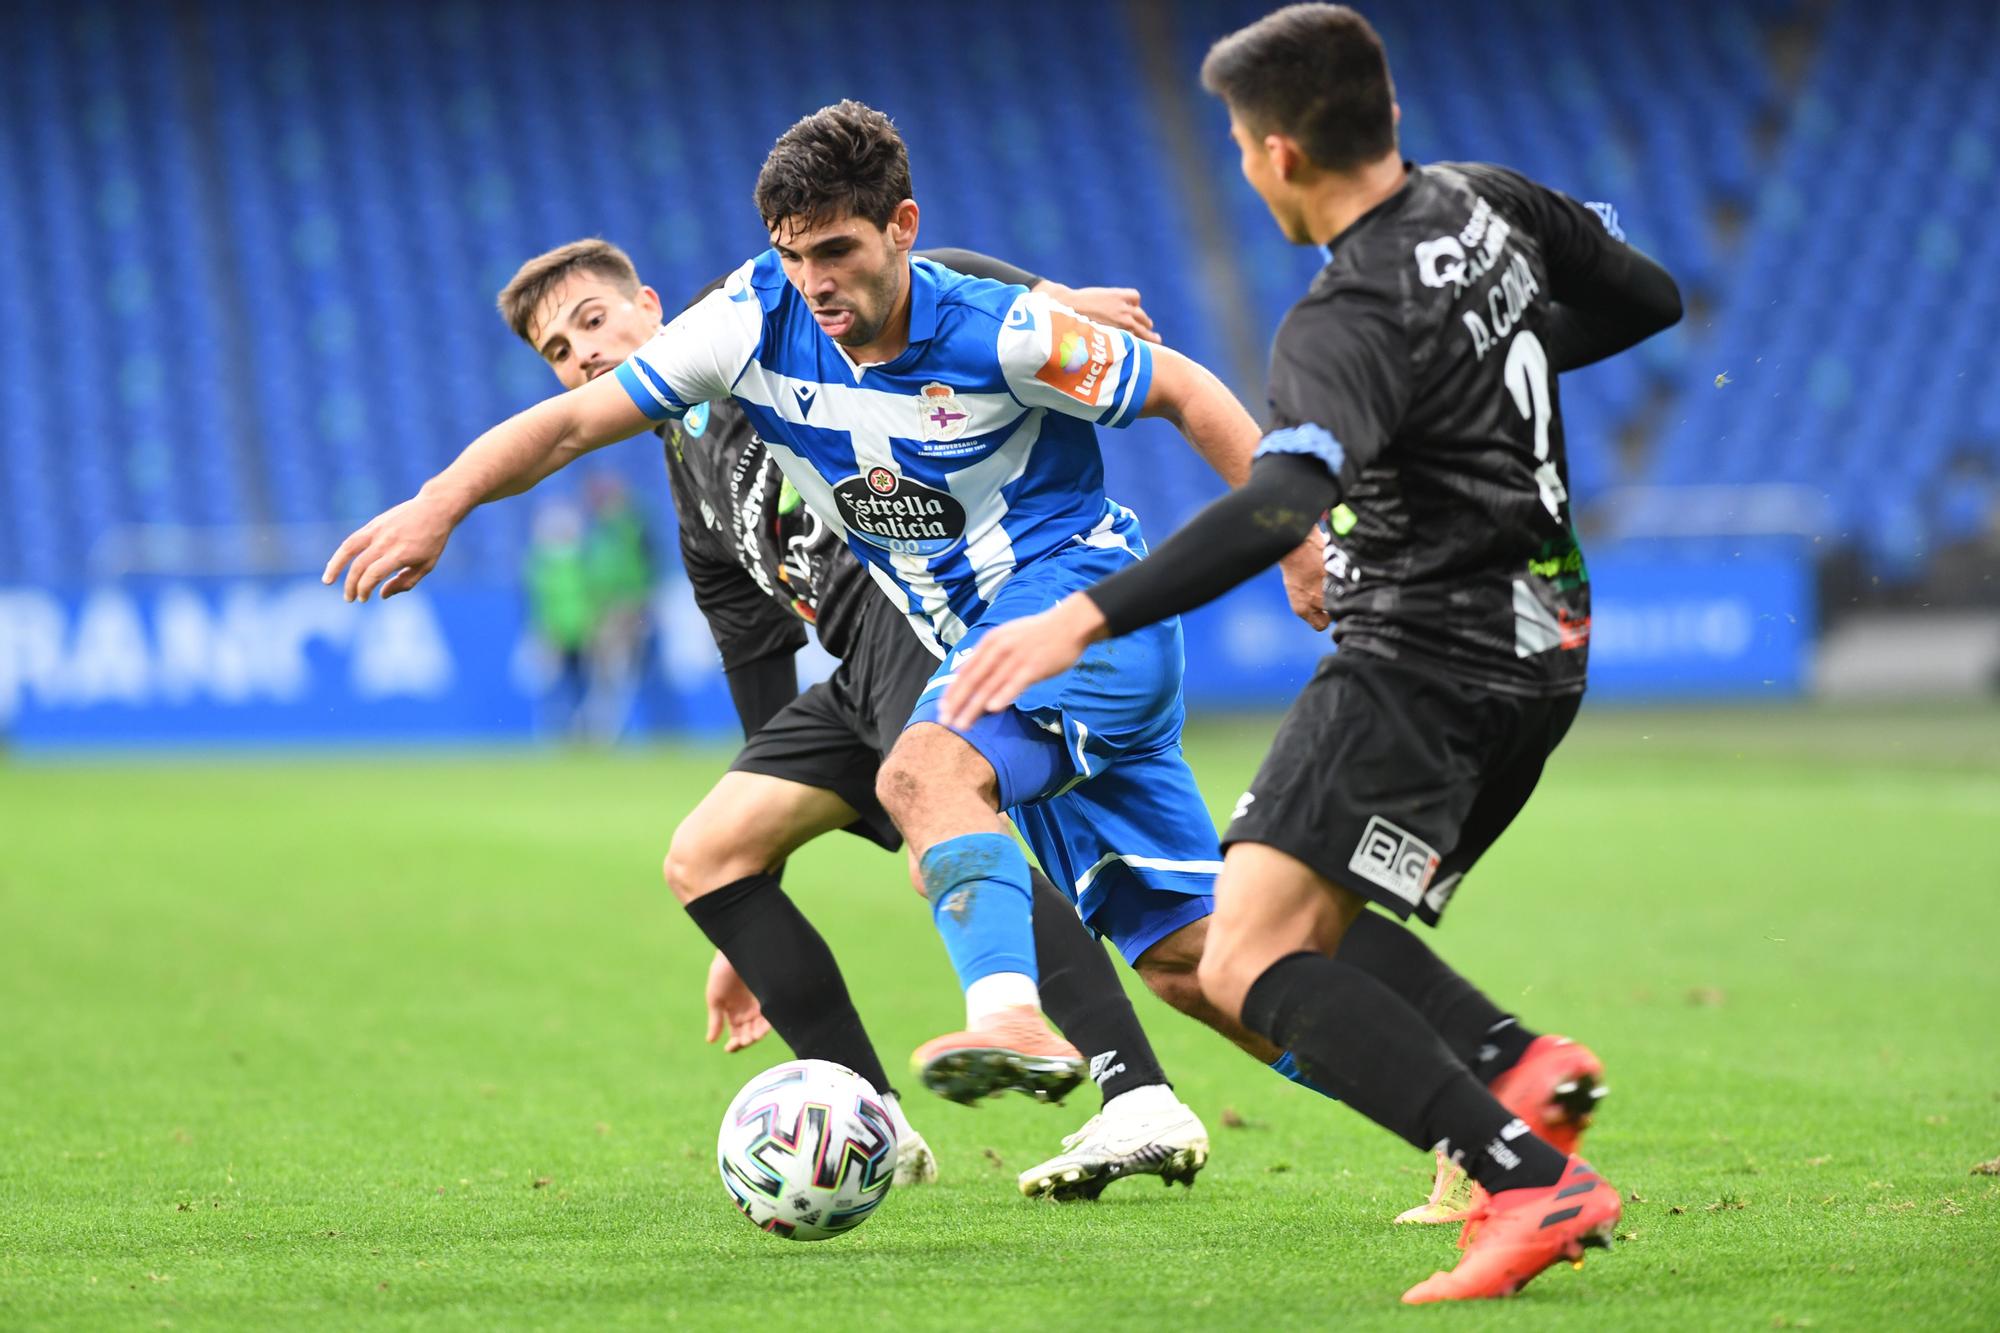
<point x="1079" y="356"/>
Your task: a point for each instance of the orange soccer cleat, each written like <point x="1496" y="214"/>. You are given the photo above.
<point x="1515" y="1234"/>
<point x="1554" y="1088"/>
<point x="1013" y="1051"/>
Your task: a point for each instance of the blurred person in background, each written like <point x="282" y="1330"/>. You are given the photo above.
<point x="618" y="563"/>
<point x="562" y="612"/>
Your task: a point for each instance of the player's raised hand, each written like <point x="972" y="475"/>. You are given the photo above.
<point x="732" y="1010"/>
<point x="1117" y="307"/>
<point x="1305" y="580"/>
<point x="393" y="550"/>
<point x="1016" y="655"/>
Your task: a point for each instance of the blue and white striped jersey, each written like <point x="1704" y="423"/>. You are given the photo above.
<point x="969" y="456"/>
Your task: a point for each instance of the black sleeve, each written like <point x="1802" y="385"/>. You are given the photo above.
<point x="746" y="622"/>
<point x="1340" y="379"/>
<point x="1608" y="295"/>
<point x="1247" y="530"/>
<point x="976" y="265"/>
<point x="761" y="687"/>
<point x="1340" y="383"/>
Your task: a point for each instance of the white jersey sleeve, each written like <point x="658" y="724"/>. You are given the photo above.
<point x="700" y="355"/>
<point x="1057" y="359"/>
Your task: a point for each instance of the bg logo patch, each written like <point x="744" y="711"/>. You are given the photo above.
<point x="1395" y="860"/>
<point x="898" y="515"/>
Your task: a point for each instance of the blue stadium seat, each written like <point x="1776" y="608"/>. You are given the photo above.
<point x="275" y="231"/>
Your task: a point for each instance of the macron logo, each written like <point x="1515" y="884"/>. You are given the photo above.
<point x="805" y="394"/>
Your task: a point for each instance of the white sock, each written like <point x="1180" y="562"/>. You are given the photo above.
<point x="1002" y="990"/>
<point x="894" y="1106"/>
<point x="1139" y="1101"/>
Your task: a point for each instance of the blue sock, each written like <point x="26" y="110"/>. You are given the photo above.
<point x="978" y="887"/>
<point x="1289" y="1067"/>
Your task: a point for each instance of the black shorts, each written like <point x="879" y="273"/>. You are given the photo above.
<point x="835" y="735"/>
<point x="1392" y="780"/>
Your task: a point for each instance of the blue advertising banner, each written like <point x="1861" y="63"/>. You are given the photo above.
<point x="222" y="661"/>
<point x="1715" y="629"/>
<point x="1661" y="629"/>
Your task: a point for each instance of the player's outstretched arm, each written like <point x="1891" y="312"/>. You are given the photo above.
<point x="1227" y="542"/>
<point x="397" y="548"/>
<point x="1201" y="407"/>
<point x="1188" y="394"/>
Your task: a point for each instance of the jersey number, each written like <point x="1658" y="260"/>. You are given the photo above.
<point x="1527" y="376"/>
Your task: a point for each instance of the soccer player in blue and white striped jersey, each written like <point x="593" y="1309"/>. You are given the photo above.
<point x="946" y="427"/>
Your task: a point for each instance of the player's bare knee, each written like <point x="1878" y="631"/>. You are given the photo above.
<point x="682" y="868"/>
<point x="708" y="854"/>
<point x="899" y="784"/>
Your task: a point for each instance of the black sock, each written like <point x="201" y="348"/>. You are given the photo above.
<point x="1486" y="1039"/>
<point x="1506" y="1042"/>
<point x="1080" y="991"/>
<point x="1361" y="1041"/>
<point x="788" y="967"/>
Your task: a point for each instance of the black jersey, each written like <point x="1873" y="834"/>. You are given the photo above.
<point x="1420" y="366"/>
<point x="762" y="564"/>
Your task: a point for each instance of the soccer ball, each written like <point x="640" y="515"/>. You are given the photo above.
<point x="807" y="1150"/>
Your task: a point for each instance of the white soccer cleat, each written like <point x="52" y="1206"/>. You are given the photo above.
<point x="916" y="1164"/>
<point x="1169" y="1142"/>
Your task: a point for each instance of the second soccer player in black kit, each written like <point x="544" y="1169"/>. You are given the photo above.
<point x="1413" y="395"/>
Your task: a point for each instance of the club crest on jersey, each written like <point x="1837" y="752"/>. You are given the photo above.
<point x="898" y="515"/>
<point x="940" y="416"/>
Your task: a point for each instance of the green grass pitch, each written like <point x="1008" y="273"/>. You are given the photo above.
<point x="415" y="1041"/>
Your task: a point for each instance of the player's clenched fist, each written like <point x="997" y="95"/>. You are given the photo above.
<point x="993" y="674"/>
<point x="394" y="550"/>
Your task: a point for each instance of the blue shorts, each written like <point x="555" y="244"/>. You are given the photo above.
<point x="1090" y="765"/>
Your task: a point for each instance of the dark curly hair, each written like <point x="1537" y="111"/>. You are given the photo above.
<point x="842" y="159"/>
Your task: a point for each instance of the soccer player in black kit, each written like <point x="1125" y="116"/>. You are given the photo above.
<point x="1413" y="396"/>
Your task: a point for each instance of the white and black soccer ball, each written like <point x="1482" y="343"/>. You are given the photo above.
<point x="807" y="1150"/>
